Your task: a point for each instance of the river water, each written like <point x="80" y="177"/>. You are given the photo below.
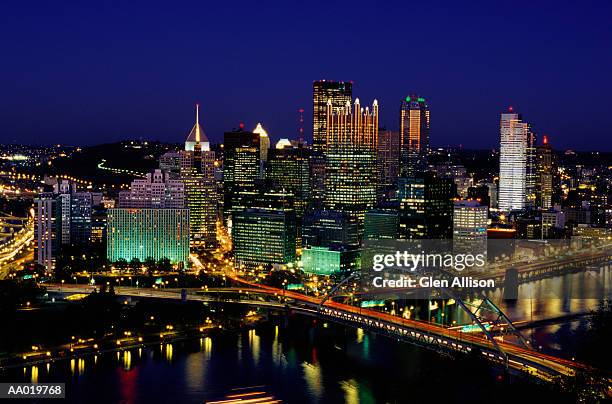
<point x="303" y="362"/>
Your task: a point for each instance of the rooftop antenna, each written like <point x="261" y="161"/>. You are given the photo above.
<point x="301" y="125"/>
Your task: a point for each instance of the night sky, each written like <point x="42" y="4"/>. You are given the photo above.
<point x="75" y="73"/>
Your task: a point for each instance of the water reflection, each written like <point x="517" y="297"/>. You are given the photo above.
<point x="169" y="350"/>
<point x="127" y="360"/>
<point x="310" y="365"/>
<point x="34" y="377"/>
<point x="312" y="376"/>
<point x="351" y="391"/>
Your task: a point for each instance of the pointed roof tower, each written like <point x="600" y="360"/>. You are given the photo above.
<point x="197" y="135"/>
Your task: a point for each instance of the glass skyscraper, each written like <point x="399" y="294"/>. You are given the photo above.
<point x="338" y="93"/>
<point x="515" y="162"/>
<point x="351" y="158"/>
<point x="198" y="175"/>
<point x="414" y="135"/>
<point x="264" y="237"/>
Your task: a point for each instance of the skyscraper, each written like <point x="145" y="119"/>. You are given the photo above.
<point x="263" y="237"/>
<point x="264" y="142"/>
<point x="350" y="158"/>
<point x="45" y="230"/>
<point x="241" y="167"/>
<point x="426" y="207"/>
<point x="197" y="174"/>
<point x="157" y="190"/>
<point x="338" y="93"/>
<point x="148" y="233"/>
<point x="414" y="135"/>
<point x="388" y="163"/>
<point x="470" y="227"/>
<point x="513" y="162"/>
<point x="289" y="168"/>
<point x="546" y="175"/>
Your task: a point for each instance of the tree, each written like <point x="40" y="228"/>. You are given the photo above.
<point x="121" y="264"/>
<point x="151" y="264"/>
<point x="164" y="264"/>
<point x="135" y="264"/>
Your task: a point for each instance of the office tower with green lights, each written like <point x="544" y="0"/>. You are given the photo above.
<point x="329" y="261"/>
<point x="148" y="233"/>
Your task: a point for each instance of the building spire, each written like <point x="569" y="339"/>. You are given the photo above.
<point x="197" y="135"/>
<point x="197" y="124"/>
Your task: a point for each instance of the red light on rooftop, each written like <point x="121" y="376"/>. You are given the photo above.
<point x="510" y="109"/>
<point x="545" y="139"/>
<point x="241" y="125"/>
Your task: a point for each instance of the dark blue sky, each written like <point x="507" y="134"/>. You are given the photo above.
<point x="81" y="73"/>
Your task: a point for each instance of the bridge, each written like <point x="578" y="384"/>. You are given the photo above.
<point x="428" y="335"/>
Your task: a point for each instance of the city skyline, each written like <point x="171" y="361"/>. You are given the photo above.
<point x="279" y="202"/>
<point x="78" y="87"/>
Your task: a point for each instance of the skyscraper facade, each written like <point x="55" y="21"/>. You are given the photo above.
<point x="388" y="163"/>
<point x="513" y="159"/>
<point x="264" y="238"/>
<point x="414" y="135"/>
<point x="45" y="230"/>
<point x="289" y="169"/>
<point x="241" y="167"/>
<point x="264" y="142"/>
<point x="197" y="173"/>
<point x="351" y="158"/>
<point x="470" y="220"/>
<point x="157" y="190"/>
<point x="148" y="233"/>
<point x="426" y="207"/>
<point x="338" y="93"/>
<point x="546" y="175"/>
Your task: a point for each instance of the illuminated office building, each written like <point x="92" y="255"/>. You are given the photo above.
<point x="148" y="233"/>
<point x="157" y="190"/>
<point x="317" y="179"/>
<point x="414" y="135"/>
<point x="516" y="142"/>
<point x="337" y="93"/>
<point x="426" y="207"/>
<point x="170" y="162"/>
<point x="241" y="167"/>
<point x="197" y="173"/>
<point x="289" y="169"/>
<point x="350" y="158"/>
<point x="324" y="228"/>
<point x="45" y="230"/>
<point x="327" y="261"/>
<point x="264" y="142"/>
<point x="264" y="238"/>
<point x="547" y="178"/>
<point x="381" y="224"/>
<point x="388" y="163"/>
<point x="62" y="218"/>
<point x="470" y="220"/>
